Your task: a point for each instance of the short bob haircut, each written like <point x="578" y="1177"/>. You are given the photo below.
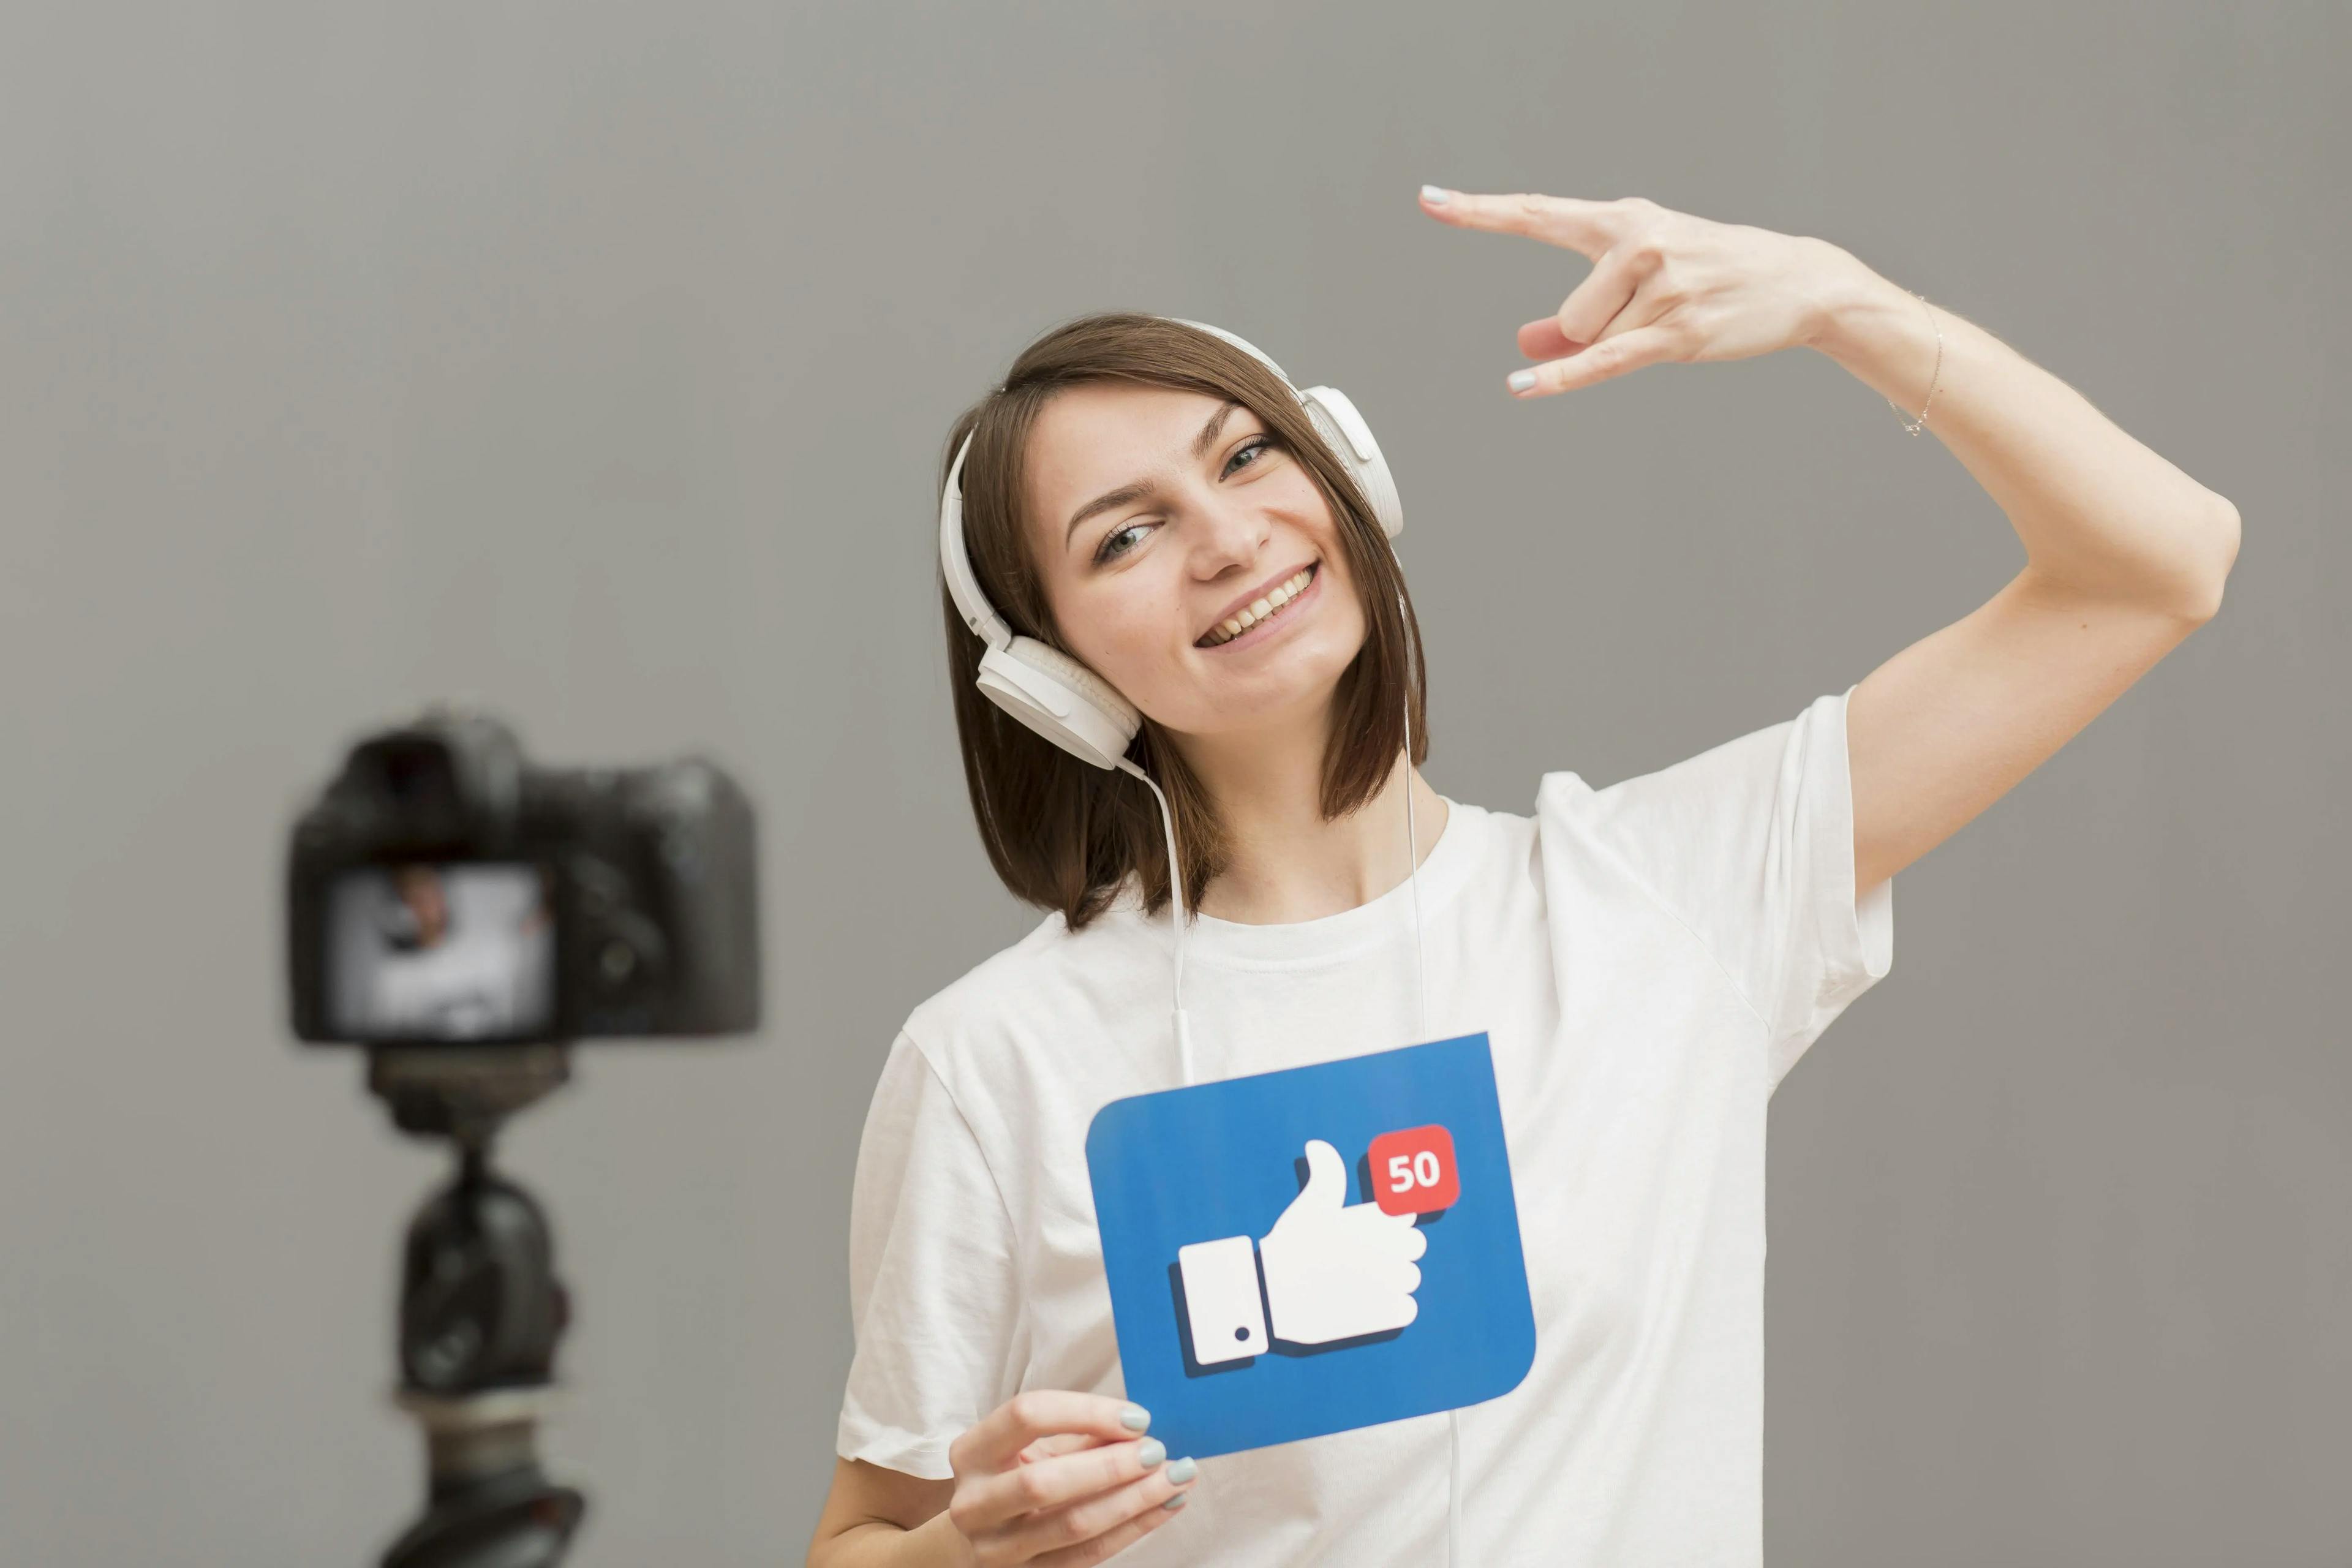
<point x="1062" y="833"/>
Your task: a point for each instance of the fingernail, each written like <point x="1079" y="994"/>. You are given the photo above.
<point x="1182" y="1470"/>
<point x="1521" y="380"/>
<point x="1135" y="1417"/>
<point x="1150" y="1452"/>
<point x="1436" y="195"/>
<point x="1177" y="1502"/>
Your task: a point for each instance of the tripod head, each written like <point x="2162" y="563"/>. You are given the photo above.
<point x="481" y="1311"/>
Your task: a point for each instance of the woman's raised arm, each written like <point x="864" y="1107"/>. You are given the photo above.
<point x="2124" y="554"/>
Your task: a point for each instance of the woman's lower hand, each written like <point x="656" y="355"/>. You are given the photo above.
<point x="1665" y="286"/>
<point x="1061" y="1480"/>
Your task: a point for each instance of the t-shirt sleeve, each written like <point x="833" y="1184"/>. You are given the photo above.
<point x="1750" y="845"/>
<point x="931" y="1277"/>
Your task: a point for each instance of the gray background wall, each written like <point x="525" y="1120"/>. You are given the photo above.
<point x="593" y="362"/>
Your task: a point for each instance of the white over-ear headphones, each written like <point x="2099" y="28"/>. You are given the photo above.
<point x="1053" y="693"/>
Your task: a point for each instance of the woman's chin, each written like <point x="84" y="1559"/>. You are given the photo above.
<point x="1238" y="701"/>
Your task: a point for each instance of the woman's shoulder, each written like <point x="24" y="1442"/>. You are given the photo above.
<point x="1759" y="768"/>
<point x="1038" y="985"/>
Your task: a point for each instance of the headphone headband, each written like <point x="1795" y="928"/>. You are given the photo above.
<point x="955" y="562"/>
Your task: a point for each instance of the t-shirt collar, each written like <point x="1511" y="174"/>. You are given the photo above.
<point x="1386" y="919"/>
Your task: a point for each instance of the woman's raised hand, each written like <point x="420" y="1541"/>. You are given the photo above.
<point x="1665" y="286"/>
<point x="1061" y="1480"/>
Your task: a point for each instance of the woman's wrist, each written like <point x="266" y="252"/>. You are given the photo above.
<point x="938" y="1543"/>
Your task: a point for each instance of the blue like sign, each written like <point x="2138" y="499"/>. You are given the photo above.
<point x="1256" y="1303"/>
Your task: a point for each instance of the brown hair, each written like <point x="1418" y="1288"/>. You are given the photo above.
<point x="1062" y="833"/>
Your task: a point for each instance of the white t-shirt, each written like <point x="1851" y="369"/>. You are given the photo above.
<point x="1647" y="960"/>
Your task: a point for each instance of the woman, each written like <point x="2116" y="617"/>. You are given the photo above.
<point x="1648" y="960"/>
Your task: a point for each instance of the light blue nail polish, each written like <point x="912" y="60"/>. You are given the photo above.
<point x="1135" y="1417"/>
<point x="1150" y="1452"/>
<point x="1435" y="195"/>
<point x="1177" y="1502"/>
<point x="1521" y="380"/>
<point x="1182" y="1470"/>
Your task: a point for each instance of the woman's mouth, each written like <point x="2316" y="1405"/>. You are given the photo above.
<point x="1260" y="611"/>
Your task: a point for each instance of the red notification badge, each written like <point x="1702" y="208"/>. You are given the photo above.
<point x="1413" y="1172"/>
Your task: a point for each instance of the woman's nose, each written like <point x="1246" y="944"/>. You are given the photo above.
<point x="1229" y="534"/>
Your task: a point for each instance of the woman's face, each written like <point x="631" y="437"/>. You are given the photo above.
<point x="420" y="889"/>
<point x="1160" y="520"/>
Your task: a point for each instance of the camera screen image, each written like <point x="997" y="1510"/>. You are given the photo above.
<point x="458" y="951"/>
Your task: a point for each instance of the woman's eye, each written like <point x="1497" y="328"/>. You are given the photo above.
<point x="1111" y="547"/>
<point x="1258" y="444"/>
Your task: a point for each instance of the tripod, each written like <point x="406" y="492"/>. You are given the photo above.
<point x="480" y="1313"/>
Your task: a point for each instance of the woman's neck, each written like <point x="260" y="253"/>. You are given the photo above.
<point x="1286" y="862"/>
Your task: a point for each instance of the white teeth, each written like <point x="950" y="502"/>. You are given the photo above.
<point x="1260" y="609"/>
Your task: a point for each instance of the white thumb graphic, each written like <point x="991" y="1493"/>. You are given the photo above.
<point x="1334" y="1270"/>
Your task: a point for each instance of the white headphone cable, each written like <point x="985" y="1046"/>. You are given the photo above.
<point x="1176" y="894"/>
<point x="1420" y="973"/>
<point x="1420" y="980"/>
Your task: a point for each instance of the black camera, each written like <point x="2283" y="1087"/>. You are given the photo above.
<point x="441" y="890"/>
<point x="466" y="916"/>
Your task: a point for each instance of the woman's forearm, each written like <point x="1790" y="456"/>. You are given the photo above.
<point x="2099" y="513"/>
<point x="933" y="1543"/>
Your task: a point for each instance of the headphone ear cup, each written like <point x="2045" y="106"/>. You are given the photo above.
<point x="1349" y="437"/>
<point x="1061" y="699"/>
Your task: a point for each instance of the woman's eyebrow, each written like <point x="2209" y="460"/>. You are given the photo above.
<point x="1140" y="488"/>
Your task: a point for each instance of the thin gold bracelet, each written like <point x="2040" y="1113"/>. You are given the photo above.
<point x="1916" y="425"/>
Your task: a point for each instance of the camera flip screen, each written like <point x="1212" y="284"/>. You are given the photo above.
<point x="454" y="951"/>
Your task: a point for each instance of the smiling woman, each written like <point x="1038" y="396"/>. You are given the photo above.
<point x="1234" y="585"/>
<point x="1184" y="551"/>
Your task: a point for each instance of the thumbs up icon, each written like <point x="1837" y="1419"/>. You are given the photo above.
<point x="1332" y="1270"/>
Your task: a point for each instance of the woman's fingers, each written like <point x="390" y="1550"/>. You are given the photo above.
<point x="1544" y="340"/>
<point x="991" y="1442"/>
<point x="1053" y="1483"/>
<point x="1610" y="300"/>
<point x="1051" y="1471"/>
<point x="1665" y="286"/>
<point x="1597" y="362"/>
<point x="1090" y="1529"/>
<point x="1104" y="1547"/>
<point x="1603" y="328"/>
<point x="1108" y="1546"/>
<point x="1586" y="228"/>
<point x="1054" y="1443"/>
